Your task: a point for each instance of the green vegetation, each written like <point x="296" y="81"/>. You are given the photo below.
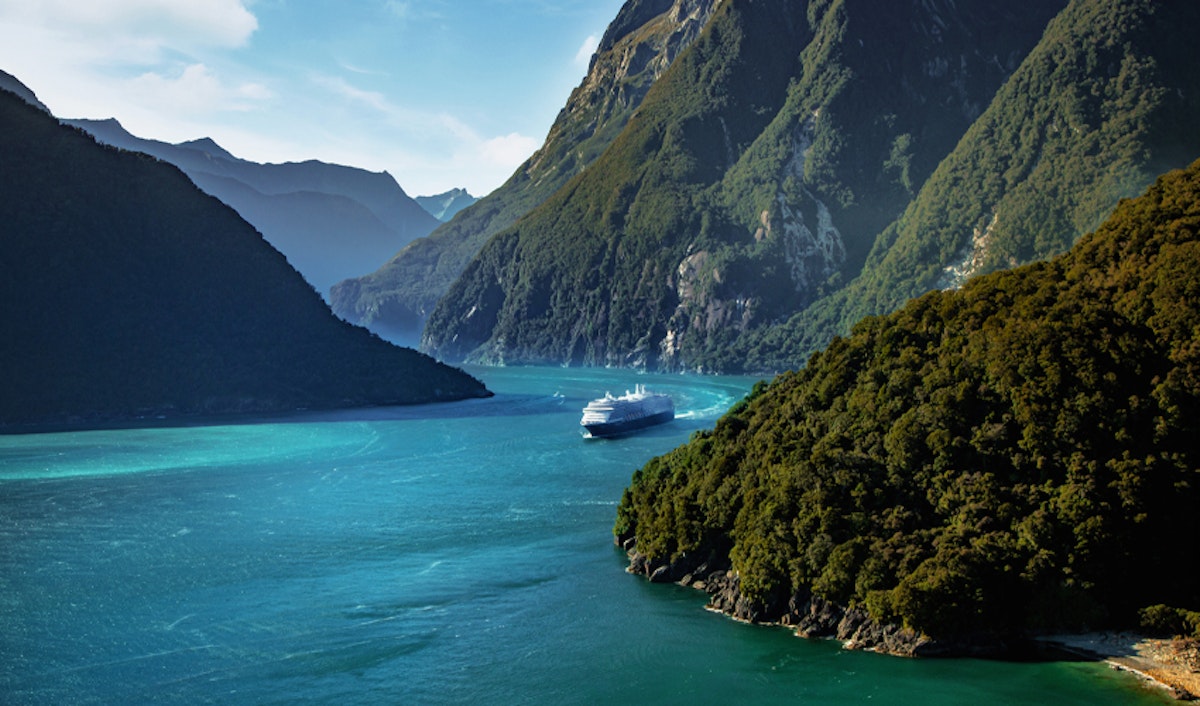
<point x="704" y="218"/>
<point x="1174" y="622"/>
<point x="1105" y="102"/>
<point x="398" y="298"/>
<point x="126" y="291"/>
<point x="1015" y="456"/>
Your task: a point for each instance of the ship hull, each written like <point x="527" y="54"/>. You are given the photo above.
<point x="607" y="430"/>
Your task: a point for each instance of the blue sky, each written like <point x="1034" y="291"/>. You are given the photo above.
<point x="440" y="93"/>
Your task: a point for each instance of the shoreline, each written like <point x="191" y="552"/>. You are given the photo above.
<point x="1170" y="664"/>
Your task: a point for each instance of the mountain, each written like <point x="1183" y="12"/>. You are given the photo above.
<point x="1106" y="101"/>
<point x="444" y="206"/>
<point x="331" y="221"/>
<point x="126" y="291"/>
<point x="752" y="181"/>
<point x="1013" y="457"/>
<point x="638" y="46"/>
<point x="10" y="83"/>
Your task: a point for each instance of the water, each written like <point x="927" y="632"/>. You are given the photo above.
<point x="448" y="554"/>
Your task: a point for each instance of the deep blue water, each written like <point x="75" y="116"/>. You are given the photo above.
<point x="458" y="553"/>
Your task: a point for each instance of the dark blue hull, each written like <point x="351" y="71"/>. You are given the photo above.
<point x="607" y="431"/>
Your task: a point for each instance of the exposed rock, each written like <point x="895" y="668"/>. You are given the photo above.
<point x="808" y="615"/>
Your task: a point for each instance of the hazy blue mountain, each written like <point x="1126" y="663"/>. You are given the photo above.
<point x="331" y="221"/>
<point x="127" y="291"/>
<point x="444" y="206"/>
<point x="10" y="83"/>
<point x="638" y="46"/>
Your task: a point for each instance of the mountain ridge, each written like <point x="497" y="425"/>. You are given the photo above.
<point x="350" y="219"/>
<point x="645" y="37"/>
<point x="1100" y="107"/>
<point x="445" y="205"/>
<point x="752" y="181"/>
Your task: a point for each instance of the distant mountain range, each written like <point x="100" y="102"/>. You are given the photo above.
<point x="125" y="291"/>
<point x="784" y="169"/>
<point x="445" y="205"/>
<point x="331" y="221"/>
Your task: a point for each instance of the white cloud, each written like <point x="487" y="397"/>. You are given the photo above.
<point x="142" y="61"/>
<point x="432" y="125"/>
<point x="508" y="151"/>
<point x="584" y="56"/>
<point x="181" y="23"/>
<point x="194" y="92"/>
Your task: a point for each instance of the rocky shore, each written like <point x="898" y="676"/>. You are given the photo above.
<point x="808" y="615"/>
<point x="1171" y="664"/>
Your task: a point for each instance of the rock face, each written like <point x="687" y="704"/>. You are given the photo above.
<point x="807" y="615"/>
<point x="1102" y="105"/>
<point x="752" y="181"/>
<point x="647" y="35"/>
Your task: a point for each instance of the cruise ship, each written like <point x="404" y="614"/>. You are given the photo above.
<point x="613" y="416"/>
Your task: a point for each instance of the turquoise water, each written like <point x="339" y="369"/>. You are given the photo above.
<point x="448" y="554"/>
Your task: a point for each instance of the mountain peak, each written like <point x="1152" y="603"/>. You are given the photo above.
<point x="208" y="146"/>
<point x="11" y="83"/>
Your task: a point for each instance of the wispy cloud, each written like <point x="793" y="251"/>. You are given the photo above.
<point x="509" y="150"/>
<point x="195" y="91"/>
<point x="584" y="56"/>
<point x="181" y="23"/>
<point x="142" y="54"/>
<point x="432" y="142"/>
<point x="399" y="8"/>
<point x="397" y="115"/>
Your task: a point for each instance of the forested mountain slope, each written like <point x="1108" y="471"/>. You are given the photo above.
<point x="637" y="47"/>
<point x="126" y="291"/>
<point x="1012" y="457"/>
<point x="752" y="181"/>
<point x="1106" y="101"/>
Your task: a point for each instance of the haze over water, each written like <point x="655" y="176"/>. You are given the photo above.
<point x="456" y="553"/>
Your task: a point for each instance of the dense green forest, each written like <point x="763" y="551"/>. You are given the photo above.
<point x="1016" y="456"/>
<point x="126" y="291"/>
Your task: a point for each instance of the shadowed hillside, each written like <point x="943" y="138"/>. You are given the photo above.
<point x="331" y="221"/>
<point x="126" y="291"/>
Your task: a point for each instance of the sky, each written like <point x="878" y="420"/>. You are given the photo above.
<point x="438" y="93"/>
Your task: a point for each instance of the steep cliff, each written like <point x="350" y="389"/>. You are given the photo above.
<point x="751" y="182"/>
<point x="1106" y="101"/>
<point x="640" y="43"/>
